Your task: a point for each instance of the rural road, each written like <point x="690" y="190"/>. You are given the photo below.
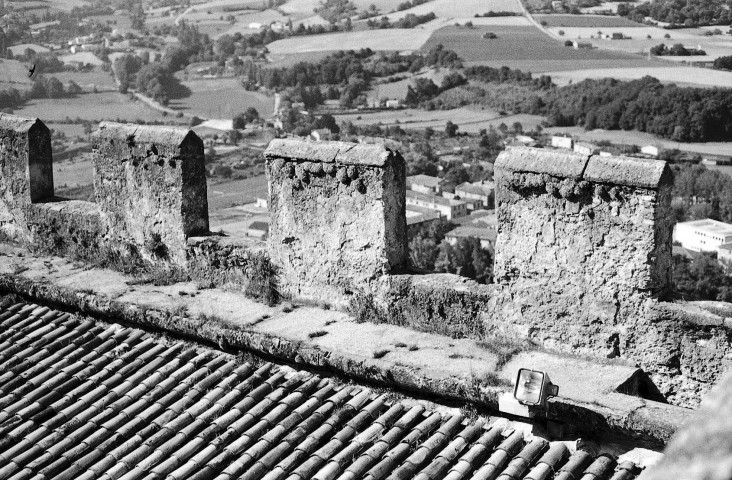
<point x="533" y="20"/>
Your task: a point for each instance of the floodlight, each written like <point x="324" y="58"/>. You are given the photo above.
<point x="533" y="387"/>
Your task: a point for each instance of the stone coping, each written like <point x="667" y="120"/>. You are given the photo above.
<point x="627" y="171"/>
<point x="18" y="124"/>
<point x="329" y="152"/>
<point x="143" y="133"/>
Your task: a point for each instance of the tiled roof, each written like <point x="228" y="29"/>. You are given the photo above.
<point x="433" y="199"/>
<point x="426" y="180"/>
<point x="83" y="401"/>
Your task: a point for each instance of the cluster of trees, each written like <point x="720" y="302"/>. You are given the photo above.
<point x="336" y="10"/>
<point x="250" y="115"/>
<point x="701" y="278"/>
<point x="701" y="193"/>
<point x="410" y="4"/>
<point x="646" y="105"/>
<point x="680" y="12"/>
<point x="500" y="13"/>
<point x="487" y="74"/>
<point x="428" y="251"/>
<point x="723" y="63"/>
<point x="676" y="50"/>
<point x="410" y="20"/>
<point x="425" y="89"/>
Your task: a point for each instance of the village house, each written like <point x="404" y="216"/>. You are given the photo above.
<point x="426" y="184"/>
<point x="487" y="236"/>
<point x="562" y="142"/>
<point x="448" y="207"/>
<point x="481" y="191"/>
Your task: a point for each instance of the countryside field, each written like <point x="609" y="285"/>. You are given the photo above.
<point x="221" y="98"/>
<point x="637" y="40"/>
<point x="236" y="192"/>
<point x="389" y="40"/>
<point x="91" y="107"/>
<point x="682" y="75"/>
<point x="518" y="47"/>
<point x="633" y="137"/>
<point x="469" y="120"/>
<point x="588" y="21"/>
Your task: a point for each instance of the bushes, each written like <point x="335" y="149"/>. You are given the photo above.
<point x="263" y="282"/>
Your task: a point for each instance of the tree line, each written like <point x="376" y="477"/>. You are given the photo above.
<point x="680" y="12"/>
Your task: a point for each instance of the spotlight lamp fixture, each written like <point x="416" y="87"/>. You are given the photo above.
<point x="533" y="388"/>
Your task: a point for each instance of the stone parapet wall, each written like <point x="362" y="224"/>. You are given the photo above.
<point x="150" y="191"/>
<point x="337" y="215"/>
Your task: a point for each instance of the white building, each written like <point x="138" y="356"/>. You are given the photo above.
<point x="447" y="207"/>
<point x="703" y="235"/>
<point x="585" y="148"/>
<point x="424" y="184"/>
<point x="481" y="191"/>
<point x="651" y="150"/>
<point x="562" y="142"/>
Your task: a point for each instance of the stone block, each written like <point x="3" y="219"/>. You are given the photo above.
<point x="150" y="183"/>
<point x="337" y="215"/>
<point x="26" y="172"/>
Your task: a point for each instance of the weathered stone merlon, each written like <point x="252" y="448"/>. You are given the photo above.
<point x="151" y="184"/>
<point x="329" y="152"/>
<point x="337" y="215"/>
<point x="622" y="171"/>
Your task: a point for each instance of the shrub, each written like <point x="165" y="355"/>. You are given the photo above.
<point x="263" y="279"/>
<point x="318" y="333"/>
<point x="380" y="353"/>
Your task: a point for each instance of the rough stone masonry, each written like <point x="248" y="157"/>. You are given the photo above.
<point x="584" y="242"/>
<point x="337" y="215"/>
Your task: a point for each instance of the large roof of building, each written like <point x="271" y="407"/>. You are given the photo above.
<point x="433" y="199"/>
<point x="473" y="231"/>
<point x="708" y="225"/>
<point x="476" y="189"/>
<point x="426" y="180"/>
<point x="84" y="401"/>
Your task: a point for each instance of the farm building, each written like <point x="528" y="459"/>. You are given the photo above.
<point x="582" y="45"/>
<point x="424" y="184"/>
<point x="262" y="202"/>
<point x="562" y="142"/>
<point x="448" y="207"/>
<point x="585" y="148"/>
<point x="702" y="235"/>
<point x="393" y="103"/>
<point x="651" y="150"/>
<point x="321" y="134"/>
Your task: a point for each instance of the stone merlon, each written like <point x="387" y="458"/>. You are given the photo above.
<point x="151" y="184"/>
<point x="337" y="215"/>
